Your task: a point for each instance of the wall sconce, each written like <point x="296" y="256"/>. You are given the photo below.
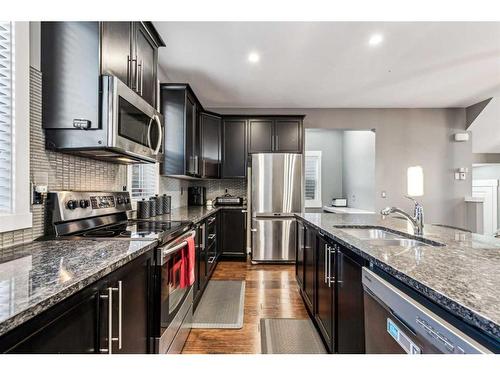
<point x="415" y="181"/>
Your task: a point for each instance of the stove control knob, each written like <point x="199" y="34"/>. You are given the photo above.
<point x="127" y="200"/>
<point x="120" y="200"/>
<point x="84" y="203"/>
<point x="71" y="204"/>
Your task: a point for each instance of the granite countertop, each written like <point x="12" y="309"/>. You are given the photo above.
<point x="38" y="275"/>
<point x="194" y="213"/>
<point x="463" y="277"/>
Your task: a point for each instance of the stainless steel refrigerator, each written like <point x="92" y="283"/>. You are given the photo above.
<point x="276" y="185"/>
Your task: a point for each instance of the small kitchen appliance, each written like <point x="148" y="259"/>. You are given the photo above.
<point x="339" y="202"/>
<point x="196" y="195"/>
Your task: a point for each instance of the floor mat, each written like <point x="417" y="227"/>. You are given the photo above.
<point x="290" y="336"/>
<point x="221" y="305"/>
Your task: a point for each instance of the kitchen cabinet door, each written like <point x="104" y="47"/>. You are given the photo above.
<point x="210" y="126"/>
<point x="116" y="50"/>
<point x="309" y="268"/>
<point x="146" y="53"/>
<point x="234" y="148"/>
<point x="288" y="135"/>
<point x="192" y="136"/>
<point x="133" y="282"/>
<point x="325" y="291"/>
<point x="261" y="134"/>
<point x="350" y="307"/>
<point x="69" y="328"/>
<point x="233" y="233"/>
<point x="299" y="256"/>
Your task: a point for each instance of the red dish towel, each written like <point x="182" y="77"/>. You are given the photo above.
<point x="188" y="263"/>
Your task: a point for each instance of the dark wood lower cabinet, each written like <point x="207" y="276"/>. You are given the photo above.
<point x="325" y="291"/>
<point x="332" y="290"/>
<point x="309" y="288"/>
<point x="80" y="324"/>
<point x="299" y="255"/>
<point x="350" y="306"/>
<point x="233" y="235"/>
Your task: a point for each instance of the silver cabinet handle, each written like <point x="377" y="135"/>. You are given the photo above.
<point x="120" y="313"/>
<point x="211" y="236"/>
<point x="244" y="211"/>
<point x="211" y="220"/>
<point x="326" y="263"/>
<point x="253" y="230"/>
<point x="211" y="260"/>
<point x="129" y="69"/>
<point x="277" y="142"/>
<point x="331" y="278"/>
<point x="142" y="76"/>
<point x="160" y="134"/>
<point x="109" y="297"/>
<point x="136" y="76"/>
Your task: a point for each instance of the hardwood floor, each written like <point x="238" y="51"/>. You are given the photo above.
<point x="270" y="292"/>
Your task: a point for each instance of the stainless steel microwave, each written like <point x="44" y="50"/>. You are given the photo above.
<point x="126" y="130"/>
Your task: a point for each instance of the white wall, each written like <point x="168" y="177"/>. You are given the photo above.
<point x="358" y="169"/>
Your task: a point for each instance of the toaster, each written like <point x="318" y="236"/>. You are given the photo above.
<point x="339" y="202"/>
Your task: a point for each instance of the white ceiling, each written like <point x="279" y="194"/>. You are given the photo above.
<point x="330" y="64"/>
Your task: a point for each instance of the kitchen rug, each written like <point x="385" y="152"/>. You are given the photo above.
<point x="221" y="305"/>
<point x="290" y="336"/>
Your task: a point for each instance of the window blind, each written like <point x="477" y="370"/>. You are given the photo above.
<point x="6" y="114"/>
<point x="144" y="180"/>
<point x="312" y="179"/>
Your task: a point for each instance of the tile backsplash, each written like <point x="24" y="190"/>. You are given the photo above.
<point x="61" y="171"/>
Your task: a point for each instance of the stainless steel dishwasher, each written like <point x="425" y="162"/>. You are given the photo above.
<point x="397" y="323"/>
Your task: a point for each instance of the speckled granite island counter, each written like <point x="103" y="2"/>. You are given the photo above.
<point x="463" y="276"/>
<point x="38" y="275"/>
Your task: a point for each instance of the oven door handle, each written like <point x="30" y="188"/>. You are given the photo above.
<point x="172" y="248"/>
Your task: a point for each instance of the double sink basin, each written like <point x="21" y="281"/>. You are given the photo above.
<point x="377" y="236"/>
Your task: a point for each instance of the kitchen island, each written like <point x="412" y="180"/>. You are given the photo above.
<point x="461" y="277"/>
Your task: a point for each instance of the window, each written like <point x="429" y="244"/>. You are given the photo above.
<point x="143" y="180"/>
<point x="14" y="126"/>
<point x="313" y="179"/>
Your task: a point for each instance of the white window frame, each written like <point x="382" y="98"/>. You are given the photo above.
<point x="129" y="184"/>
<point x="317" y="202"/>
<point x="20" y="216"/>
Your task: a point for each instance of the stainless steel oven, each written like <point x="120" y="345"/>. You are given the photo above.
<point x="173" y="296"/>
<point x="129" y="129"/>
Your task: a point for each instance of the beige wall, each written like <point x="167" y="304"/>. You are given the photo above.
<point x="404" y="137"/>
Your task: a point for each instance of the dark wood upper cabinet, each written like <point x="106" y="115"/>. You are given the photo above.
<point x="288" y="135"/>
<point x="129" y="51"/>
<point x="146" y="55"/>
<point x="275" y="134"/>
<point x="116" y="48"/>
<point x="234" y="148"/>
<point x="210" y="130"/>
<point x="260" y="135"/>
<point x="182" y="138"/>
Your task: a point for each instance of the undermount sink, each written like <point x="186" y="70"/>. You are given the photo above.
<point x="371" y="234"/>
<point x="403" y="242"/>
<point x="381" y="237"/>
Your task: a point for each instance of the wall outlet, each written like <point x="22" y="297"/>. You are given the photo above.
<point x="383" y="194"/>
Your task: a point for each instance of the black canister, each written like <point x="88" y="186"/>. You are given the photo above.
<point x="159" y="204"/>
<point x="152" y="207"/>
<point x="167" y="200"/>
<point x="143" y="209"/>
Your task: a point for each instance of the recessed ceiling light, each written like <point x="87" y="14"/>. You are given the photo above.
<point x="253" y="57"/>
<point x="375" y="39"/>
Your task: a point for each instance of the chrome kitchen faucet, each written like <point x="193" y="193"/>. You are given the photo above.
<point x="417" y="219"/>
